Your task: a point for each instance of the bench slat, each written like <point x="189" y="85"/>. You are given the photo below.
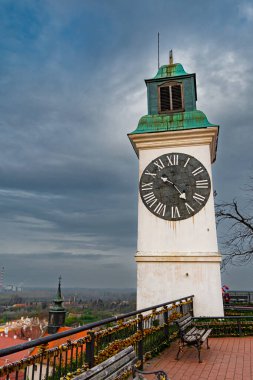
<point x="186" y="321"/>
<point x="116" y="374"/>
<point x="185" y="326"/>
<point x="195" y="336"/>
<point x="115" y="369"/>
<point x="205" y="336"/>
<point x="191" y="331"/>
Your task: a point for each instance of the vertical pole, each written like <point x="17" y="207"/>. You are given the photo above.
<point x="239" y="327"/>
<point x="140" y="342"/>
<point x="47" y="369"/>
<point x="166" y="323"/>
<point x="90" y="346"/>
<point x="191" y="306"/>
<point x="158" y="49"/>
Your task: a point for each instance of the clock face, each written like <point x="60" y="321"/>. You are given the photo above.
<point x="175" y="186"/>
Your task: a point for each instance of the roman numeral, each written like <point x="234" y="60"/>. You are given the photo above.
<point x="197" y="171"/>
<point x="188" y="159"/>
<point x="160" y="209"/>
<point x="153" y="175"/>
<point x="202" y="184"/>
<point x="198" y="198"/>
<point x="147" y="186"/>
<point x="159" y="164"/>
<point x="189" y="208"/>
<point x="175" y="212"/>
<point x="150" y="199"/>
<point x="173" y="159"/>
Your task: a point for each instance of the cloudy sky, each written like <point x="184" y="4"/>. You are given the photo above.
<point x="71" y="89"/>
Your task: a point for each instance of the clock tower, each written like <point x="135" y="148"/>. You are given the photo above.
<point x="177" y="252"/>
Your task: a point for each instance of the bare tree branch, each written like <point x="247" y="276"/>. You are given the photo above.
<point x="237" y="231"/>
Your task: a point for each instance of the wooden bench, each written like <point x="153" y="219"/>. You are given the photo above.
<point x="117" y="367"/>
<point x="191" y="335"/>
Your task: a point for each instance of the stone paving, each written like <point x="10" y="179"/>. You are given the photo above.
<point x="227" y="359"/>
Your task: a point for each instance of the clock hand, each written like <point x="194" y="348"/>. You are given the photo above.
<point x="182" y="194"/>
<point x="166" y="179"/>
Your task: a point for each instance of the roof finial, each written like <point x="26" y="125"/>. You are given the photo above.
<point x="59" y="288"/>
<point x="171" y="57"/>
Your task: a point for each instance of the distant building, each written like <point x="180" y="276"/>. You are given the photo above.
<point x="24" y="328"/>
<point x="12" y="288"/>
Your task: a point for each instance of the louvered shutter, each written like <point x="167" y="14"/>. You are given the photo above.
<point x="165" y="99"/>
<point x="171" y="98"/>
<point x="176" y="97"/>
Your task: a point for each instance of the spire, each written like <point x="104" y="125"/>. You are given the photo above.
<point x="171" y="58"/>
<point x="58" y="300"/>
<point x="59" y="288"/>
<point x="57" y="312"/>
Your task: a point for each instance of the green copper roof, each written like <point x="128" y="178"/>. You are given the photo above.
<point x="172" y="122"/>
<point x="173" y="70"/>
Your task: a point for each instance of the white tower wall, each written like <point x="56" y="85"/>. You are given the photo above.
<point x="178" y="258"/>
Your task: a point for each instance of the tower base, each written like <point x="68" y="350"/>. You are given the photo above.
<point x="167" y="278"/>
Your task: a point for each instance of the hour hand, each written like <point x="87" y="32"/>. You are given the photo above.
<point x="164" y="178"/>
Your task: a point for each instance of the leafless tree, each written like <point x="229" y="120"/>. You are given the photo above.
<point x="237" y="231"/>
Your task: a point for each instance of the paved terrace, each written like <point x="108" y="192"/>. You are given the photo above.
<point x="227" y="359"/>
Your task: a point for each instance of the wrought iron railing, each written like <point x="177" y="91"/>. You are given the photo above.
<point x="227" y="326"/>
<point x="148" y="330"/>
<point x="240" y="296"/>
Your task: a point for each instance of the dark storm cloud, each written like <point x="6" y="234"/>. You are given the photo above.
<point x="59" y="256"/>
<point x="86" y="270"/>
<point x="71" y="89"/>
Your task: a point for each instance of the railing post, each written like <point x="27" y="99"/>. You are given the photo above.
<point x="43" y="348"/>
<point x="90" y="350"/>
<point x="239" y="327"/>
<point x="191" y="306"/>
<point x="166" y="323"/>
<point x="140" y="342"/>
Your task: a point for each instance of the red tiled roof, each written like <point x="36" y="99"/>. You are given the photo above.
<point x="9" y="342"/>
<point x="60" y="341"/>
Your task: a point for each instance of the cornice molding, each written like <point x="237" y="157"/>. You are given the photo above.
<point x="191" y="137"/>
<point x="175" y="253"/>
<point x="178" y="259"/>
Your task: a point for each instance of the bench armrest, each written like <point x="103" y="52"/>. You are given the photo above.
<point x="160" y="375"/>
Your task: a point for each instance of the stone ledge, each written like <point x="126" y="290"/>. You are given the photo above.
<point x="182" y="258"/>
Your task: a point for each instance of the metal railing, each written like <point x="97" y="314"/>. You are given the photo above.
<point x="227" y="326"/>
<point x="148" y="330"/>
<point x="241" y="296"/>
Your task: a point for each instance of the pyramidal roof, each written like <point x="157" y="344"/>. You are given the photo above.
<point x="176" y="121"/>
<point x="171" y="70"/>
